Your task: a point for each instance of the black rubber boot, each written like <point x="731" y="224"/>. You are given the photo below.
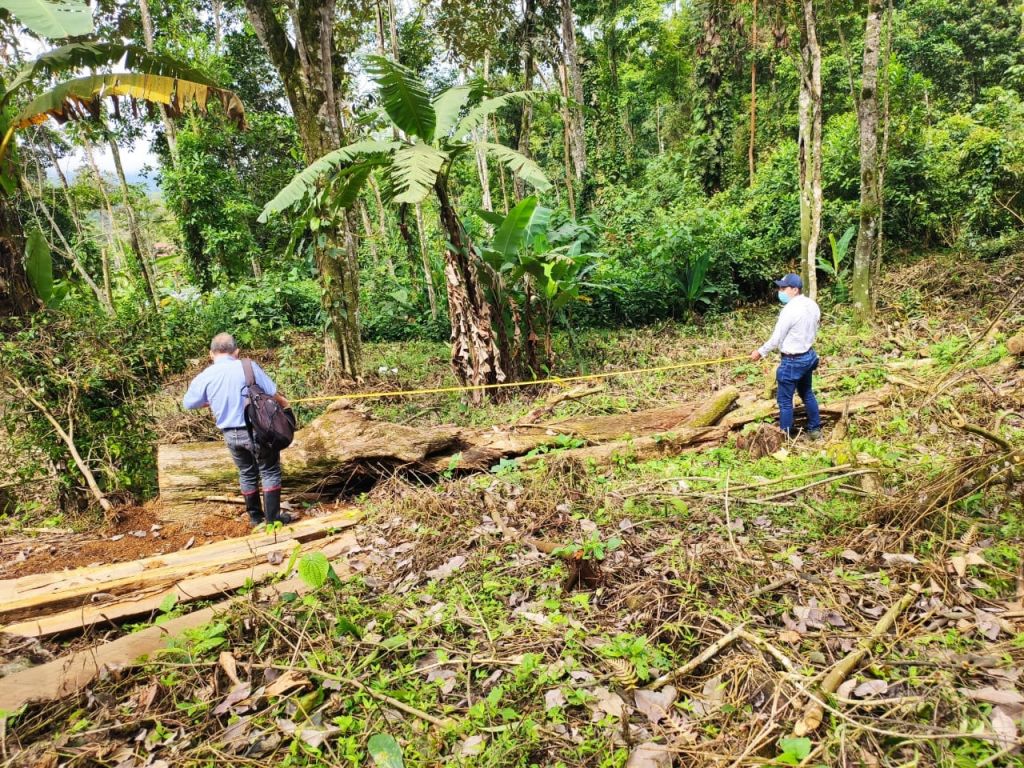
<point x="272" y="504"/>
<point x="252" y="506"/>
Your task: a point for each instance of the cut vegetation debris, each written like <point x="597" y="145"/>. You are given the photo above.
<point x="549" y="600"/>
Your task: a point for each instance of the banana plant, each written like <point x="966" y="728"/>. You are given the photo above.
<point x="535" y="274"/>
<point x="434" y="132"/>
<point x="153" y="78"/>
<point x="838" y="269"/>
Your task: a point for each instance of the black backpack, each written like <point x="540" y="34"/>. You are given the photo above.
<point x="271" y="427"/>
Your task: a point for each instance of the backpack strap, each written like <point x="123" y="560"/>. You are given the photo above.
<point x="250" y="380"/>
<point x="250" y="377"/>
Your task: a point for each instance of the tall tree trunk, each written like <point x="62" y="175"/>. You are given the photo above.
<point x="475" y="356"/>
<point x="170" y="132"/>
<point x="810" y="106"/>
<point x="753" y="92"/>
<point x="112" y="237"/>
<point x="870" y="194"/>
<point x="217" y="9"/>
<point x="393" y="28"/>
<point x="567" y="138"/>
<point x="39" y="205"/>
<point x="501" y="168"/>
<point x="105" y="297"/>
<point x="108" y="288"/>
<point x="481" y="157"/>
<point x="575" y="78"/>
<point x="134" y="234"/>
<point x="306" y="69"/>
<point x="428" y="275"/>
<point x="883" y="158"/>
<point x="528" y="64"/>
<point x="382" y="225"/>
<point x="16" y="295"/>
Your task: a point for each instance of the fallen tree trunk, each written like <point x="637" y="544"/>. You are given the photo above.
<point x="346" y="447"/>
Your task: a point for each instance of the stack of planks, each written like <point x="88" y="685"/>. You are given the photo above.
<point x="47" y="604"/>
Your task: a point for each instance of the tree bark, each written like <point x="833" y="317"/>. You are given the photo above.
<point x="69" y="251"/>
<point x="16" y="295"/>
<point x="870" y="194"/>
<point x="572" y="64"/>
<point x="307" y="72"/>
<point x="346" y="445"/>
<point x="810" y="107"/>
<point x="475" y="355"/>
<point x="481" y="157"/>
<point x="134" y="234"/>
<point x="528" y="64"/>
<point x="170" y="132"/>
<point x="428" y="275"/>
<point x="753" y="93"/>
<point x="567" y="139"/>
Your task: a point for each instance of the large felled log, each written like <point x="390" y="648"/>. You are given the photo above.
<point x="341" y="446"/>
<point x="833" y="409"/>
<point x="346" y="445"/>
<point x="151" y="599"/>
<point x="31" y="596"/>
<point x="70" y="673"/>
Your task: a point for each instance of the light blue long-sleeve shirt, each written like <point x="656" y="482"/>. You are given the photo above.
<point x="221" y="386"/>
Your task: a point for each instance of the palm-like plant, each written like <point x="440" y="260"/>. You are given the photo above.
<point x="152" y="78"/>
<point x="434" y="134"/>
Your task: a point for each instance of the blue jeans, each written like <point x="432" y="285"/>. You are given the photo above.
<point x="794" y="375"/>
<point x="253" y="463"/>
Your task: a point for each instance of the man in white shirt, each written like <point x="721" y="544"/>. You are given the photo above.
<point x="794" y="336"/>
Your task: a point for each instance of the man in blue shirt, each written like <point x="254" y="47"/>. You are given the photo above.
<point x="221" y="388"/>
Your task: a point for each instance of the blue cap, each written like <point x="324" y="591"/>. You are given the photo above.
<point x="790" y="281"/>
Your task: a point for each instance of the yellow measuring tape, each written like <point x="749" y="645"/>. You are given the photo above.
<point x="509" y="384"/>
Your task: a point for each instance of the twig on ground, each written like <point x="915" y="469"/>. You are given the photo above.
<point x="814" y="712"/>
<point x="708" y="653"/>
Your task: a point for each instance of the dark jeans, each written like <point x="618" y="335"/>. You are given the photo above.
<point x="795" y="375"/>
<point x="253" y="463"/>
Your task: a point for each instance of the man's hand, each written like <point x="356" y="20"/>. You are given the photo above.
<point x="755" y="355"/>
<point x="282" y="401"/>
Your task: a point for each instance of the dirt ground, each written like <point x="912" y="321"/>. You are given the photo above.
<point x="137" y="533"/>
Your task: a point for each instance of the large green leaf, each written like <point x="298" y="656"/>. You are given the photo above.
<point x="52" y="18"/>
<point x="296" y="190"/>
<point x="404" y="97"/>
<point x="511" y="235"/>
<point x="74" y="56"/>
<point x="81" y="97"/>
<point x="414" y="170"/>
<point x="39" y="264"/>
<point x="448" y="106"/>
<point x="476" y="116"/>
<point x="519" y="164"/>
<point x="384" y="751"/>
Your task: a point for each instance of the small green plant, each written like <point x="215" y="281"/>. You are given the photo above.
<point x="314" y="569"/>
<point x="794" y="751"/>
<point x="838" y="269"/>
<point x="637" y="650"/>
<point x="592" y="548"/>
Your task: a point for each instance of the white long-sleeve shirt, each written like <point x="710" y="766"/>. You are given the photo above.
<point x="796" y="328"/>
